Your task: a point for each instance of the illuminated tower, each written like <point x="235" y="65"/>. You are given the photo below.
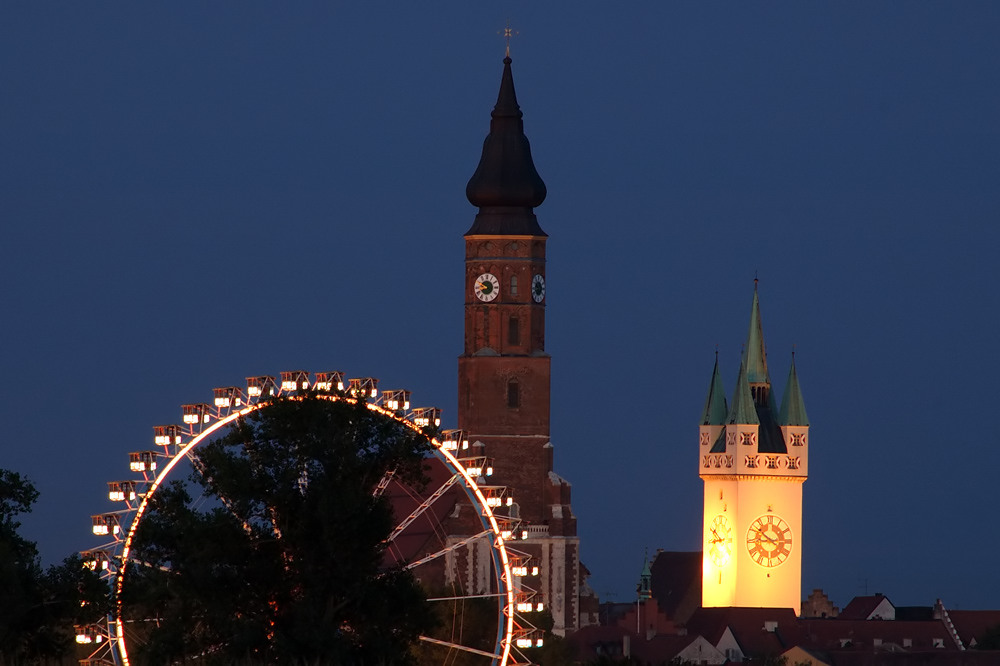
<point x="753" y="460"/>
<point x="503" y="374"/>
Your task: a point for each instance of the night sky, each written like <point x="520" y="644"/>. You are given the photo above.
<point x="192" y="193"/>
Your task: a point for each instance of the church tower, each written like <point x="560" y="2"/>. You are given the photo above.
<point x="503" y="373"/>
<point x="753" y="459"/>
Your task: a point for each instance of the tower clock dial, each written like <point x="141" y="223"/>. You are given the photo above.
<point x="538" y="288"/>
<point x="487" y="287"/>
<point x="769" y="540"/>
<point x="720" y="541"/>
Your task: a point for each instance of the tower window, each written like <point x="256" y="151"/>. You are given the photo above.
<point x="513" y="285"/>
<point x="513" y="331"/>
<point x="513" y="394"/>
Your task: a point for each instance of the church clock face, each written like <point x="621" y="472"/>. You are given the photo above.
<point x="538" y="288"/>
<point x="720" y="541"/>
<point x="487" y="287"/>
<point x="769" y="540"/>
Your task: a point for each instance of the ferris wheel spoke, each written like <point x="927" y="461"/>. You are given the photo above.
<point x="458" y="646"/>
<point x="446" y="550"/>
<point x="423" y="506"/>
<point x="175" y="448"/>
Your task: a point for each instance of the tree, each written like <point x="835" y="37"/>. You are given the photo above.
<point x="990" y="639"/>
<point x="284" y="561"/>
<point x="38" y="608"/>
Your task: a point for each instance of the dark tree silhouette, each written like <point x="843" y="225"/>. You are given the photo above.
<point x="39" y="608"/>
<point x="284" y="560"/>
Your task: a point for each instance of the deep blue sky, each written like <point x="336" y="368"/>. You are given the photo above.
<point x="195" y="192"/>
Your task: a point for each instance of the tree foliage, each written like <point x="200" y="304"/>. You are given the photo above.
<point x="38" y="608"/>
<point x="284" y="560"/>
<point x="990" y="639"/>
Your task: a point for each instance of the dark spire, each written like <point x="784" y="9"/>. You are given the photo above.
<point x="506" y="185"/>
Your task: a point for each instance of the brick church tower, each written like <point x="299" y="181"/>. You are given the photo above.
<point x="503" y="373"/>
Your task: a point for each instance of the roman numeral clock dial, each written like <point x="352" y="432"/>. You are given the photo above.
<point x="487" y="287"/>
<point x="720" y="541"/>
<point x="769" y="540"/>
<point x="538" y="288"/>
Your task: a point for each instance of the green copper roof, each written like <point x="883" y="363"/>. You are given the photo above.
<point x="743" y="410"/>
<point x="720" y="443"/>
<point x="793" y="409"/>
<point x="753" y="354"/>
<point x="715" y="403"/>
<point x="645" y="580"/>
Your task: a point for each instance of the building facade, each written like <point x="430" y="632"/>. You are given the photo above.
<point x="753" y="460"/>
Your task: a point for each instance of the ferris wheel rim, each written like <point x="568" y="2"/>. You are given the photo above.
<point x="497" y="548"/>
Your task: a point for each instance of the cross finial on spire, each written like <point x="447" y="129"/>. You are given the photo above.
<point x="508" y="32"/>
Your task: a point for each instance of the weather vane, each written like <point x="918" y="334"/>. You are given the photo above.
<point x="508" y="32"/>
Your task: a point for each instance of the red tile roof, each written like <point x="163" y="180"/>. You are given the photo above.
<point x="874" y="635"/>
<point x="861" y="608"/>
<point x="759" y="631"/>
<point x="971" y="625"/>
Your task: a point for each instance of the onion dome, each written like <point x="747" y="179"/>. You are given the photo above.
<point x="506" y="185"/>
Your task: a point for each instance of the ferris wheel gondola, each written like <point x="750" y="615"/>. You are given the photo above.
<point x="454" y="469"/>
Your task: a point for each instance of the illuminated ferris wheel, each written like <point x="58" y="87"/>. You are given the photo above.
<point x="504" y="574"/>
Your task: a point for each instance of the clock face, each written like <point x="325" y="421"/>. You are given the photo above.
<point x="538" y="288"/>
<point x="769" y="540"/>
<point x="720" y="541"/>
<point x="487" y="287"/>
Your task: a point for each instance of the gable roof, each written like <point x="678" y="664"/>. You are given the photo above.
<point x="972" y="625"/>
<point x="759" y="631"/>
<point x="861" y="608"/>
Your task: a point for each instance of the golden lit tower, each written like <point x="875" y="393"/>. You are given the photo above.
<point x="753" y="458"/>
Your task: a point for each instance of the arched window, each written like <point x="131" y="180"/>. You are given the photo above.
<point x="513" y="285"/>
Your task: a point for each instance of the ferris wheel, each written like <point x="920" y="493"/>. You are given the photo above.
<point x="503" y="574"/>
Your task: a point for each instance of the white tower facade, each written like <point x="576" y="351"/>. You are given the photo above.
<point x="753" y="460"/>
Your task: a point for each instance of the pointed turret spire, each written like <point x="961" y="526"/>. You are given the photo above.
<point x="645" y="587"/>
<point x="743" y="410"/>
<point x="506" y="185"/>
<point x="793" y="408"/>
<point x="754" y="354"/>
<point x="715" y="402"/>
